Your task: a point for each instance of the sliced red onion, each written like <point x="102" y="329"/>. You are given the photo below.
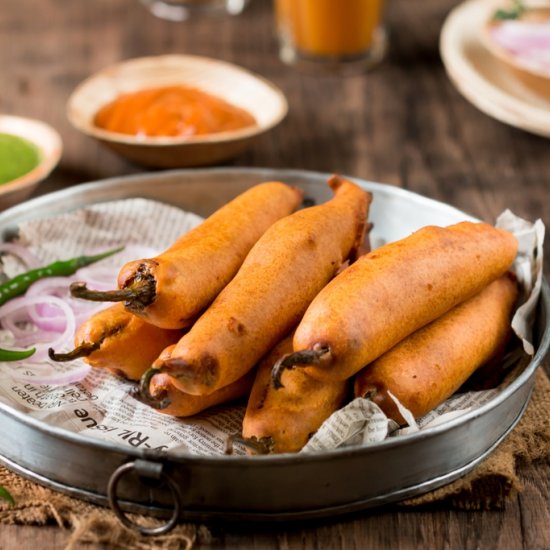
<point x="31" y="338"/>
<point x="82" y="312"/>
<point x="44" y="315"/>
<point x="51" y="285"/>
<point x="70" y="323"/>
<point x="528" y="42"/>
<point x="23" y="253"/>
<point x="13" y="321"/>
<point x="522" y="34"/>
<point x="49" y="318"/>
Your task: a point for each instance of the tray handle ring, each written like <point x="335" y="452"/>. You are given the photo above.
<point x="151" y="470"/>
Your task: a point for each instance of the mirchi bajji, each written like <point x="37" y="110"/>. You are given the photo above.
<point x="282" y="421"/>
<point x="118" y="341"/>
<point x="393" y="291"/>
<point x="172" y="289"/>
<point x="429" y="366"/>
<point x="283" y="272"/>
<point x="167" y="399"/>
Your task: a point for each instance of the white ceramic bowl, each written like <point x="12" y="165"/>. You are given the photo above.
<point x="49" y="144"/>
<point x="235" y="85"/>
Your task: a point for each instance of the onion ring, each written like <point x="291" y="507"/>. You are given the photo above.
<point x="70" y="324"/>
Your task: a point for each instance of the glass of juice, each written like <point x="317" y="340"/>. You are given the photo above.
<point x="342" y="35"/>
<point x="181" y="10"/>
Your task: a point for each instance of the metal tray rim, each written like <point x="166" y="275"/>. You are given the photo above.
<point x="290" y="172"/>
<point x="311" y="514"/>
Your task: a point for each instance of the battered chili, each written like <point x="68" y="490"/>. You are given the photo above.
<point x="171" y="111"/>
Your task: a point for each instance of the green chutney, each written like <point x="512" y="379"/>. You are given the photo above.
<point x="18" y="156"/>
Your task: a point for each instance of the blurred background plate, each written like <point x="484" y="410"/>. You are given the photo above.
<point x="522" y="53"/>
<point x="481" y="79"/>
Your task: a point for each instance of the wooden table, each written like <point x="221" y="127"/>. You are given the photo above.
<point x="403" y="124"/>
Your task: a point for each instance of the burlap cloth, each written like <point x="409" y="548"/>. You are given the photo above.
<point x="489" y="486"/>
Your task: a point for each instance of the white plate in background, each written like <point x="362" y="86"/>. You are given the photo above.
<point x="481" y="79"/>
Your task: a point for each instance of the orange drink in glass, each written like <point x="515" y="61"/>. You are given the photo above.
<point x="336" y="33"/>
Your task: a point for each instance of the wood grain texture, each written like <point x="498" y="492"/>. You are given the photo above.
<point x="403" y="124"/>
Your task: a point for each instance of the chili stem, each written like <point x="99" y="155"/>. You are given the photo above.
<point x="144" y="394"/>
<point x="259" y="446"/>
<point x="84" y="350"/>
<point x="297" y="359"/>
<point x="139" y="292"/>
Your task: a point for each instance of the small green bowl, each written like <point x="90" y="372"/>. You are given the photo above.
<point x="49" y="145"/>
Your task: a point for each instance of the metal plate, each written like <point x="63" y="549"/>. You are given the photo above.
<point x="264" y="488"/>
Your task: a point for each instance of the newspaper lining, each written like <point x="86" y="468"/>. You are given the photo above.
<point x="101" y="406"/>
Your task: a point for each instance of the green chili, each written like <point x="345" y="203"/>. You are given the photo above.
<point x="15" y="355"/>
<point x="5" y="495"/>
<point x="61" y="268"/>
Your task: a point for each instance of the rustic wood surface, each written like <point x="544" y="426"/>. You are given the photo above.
<point x="403" y="124"/>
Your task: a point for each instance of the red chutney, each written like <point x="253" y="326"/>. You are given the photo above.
<point x="171" y="111"/>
